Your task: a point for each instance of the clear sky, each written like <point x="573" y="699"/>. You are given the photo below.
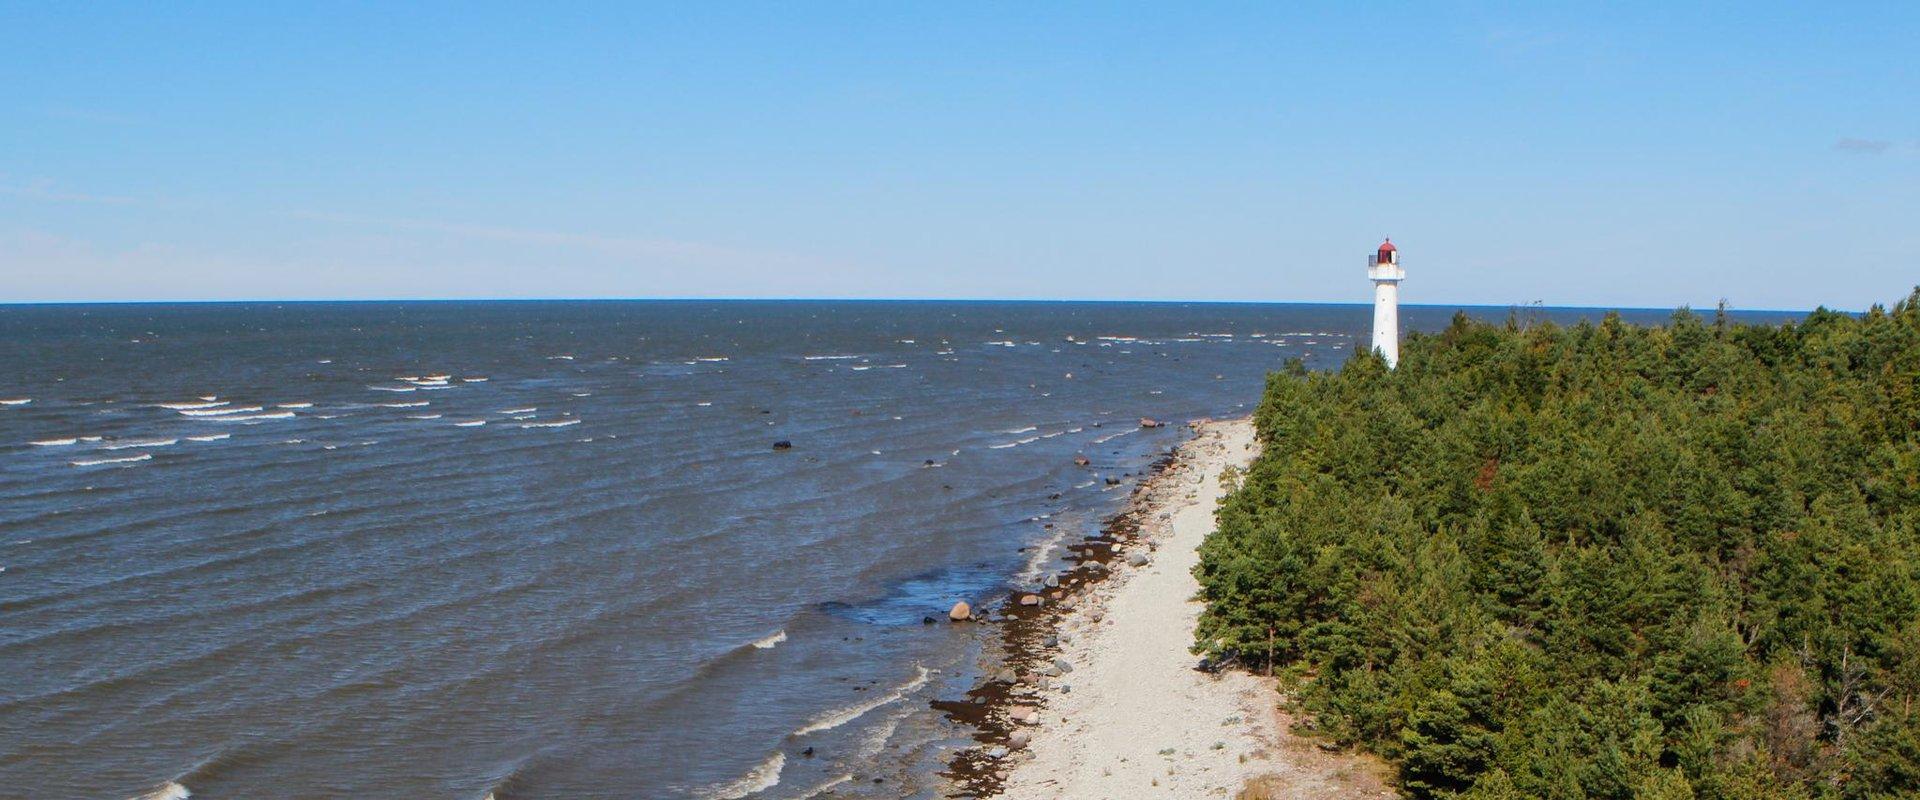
<point x="1645" y="153"/>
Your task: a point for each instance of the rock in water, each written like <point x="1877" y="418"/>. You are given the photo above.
<point x="783" y="445"/>
<point x="1081" y="461"/>
<point x="1029" y="599"/>
<point x="960" y="612"/>
<point x="1149" y="422"/>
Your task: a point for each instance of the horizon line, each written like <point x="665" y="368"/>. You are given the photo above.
<point x="725" y="299"/>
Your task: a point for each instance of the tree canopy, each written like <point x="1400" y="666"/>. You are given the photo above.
<point x="1595" y="561"/>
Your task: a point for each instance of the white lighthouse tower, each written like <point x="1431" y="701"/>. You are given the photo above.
<point x="1384" y="268"/>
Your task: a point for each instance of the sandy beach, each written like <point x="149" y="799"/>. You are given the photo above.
<point x="1123" y="711"/>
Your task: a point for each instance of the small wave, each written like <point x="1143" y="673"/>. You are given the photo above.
<point x="823" y="788"/>
<point x="212" y="437"/>
<point x="133" y="443"/>
<point x="55" y="442"/>
<point x="189" y="406"/>
<point x="710" y="359"/>
<point x="414" y="404"/>
<point x="472" y="423"/>
<point x="295" y="405"/>
<point x="583" y="394"/>
<point x="16" y="401"/>
<point x="1112" y="436"/>
<point x="836" y="719"/>
<point x="704" y="405"/>
<point x="527" y="410"/>
<point x="423" y="416"/>
<point x="394" y="388"/>
<point x="172" y="790"/>
<point x="94" y="462"/>
<point x="768" y="641"/>
<point x="559" y="358"/>
<point x="759" y="779"/>
<point x="218" y="412"/>
<point x="254" y="417"/>
<point x="1028" y="429"/>
<point x="560" y="424"/>
<point x="473" y="380"/>
<point x="828" y="358"/>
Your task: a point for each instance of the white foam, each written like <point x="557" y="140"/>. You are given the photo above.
<point x="394" y="388"/>
<point x="55" y="442"/>
<point x="1112" y="436"/>
<point x="188" y="406"/>
<point x="213" y="437"/>
<point x="836" y="719"/>
<point x="91" y="462"/>
<point x="253" y="417"/>
<point x="560" y="424"/>
<point x="703" y="405"/>
<point x="473" y="380"/>
<point x="133" y="443"/>
<point x="472" y="423"/>
<point x="710" y="359"/>
<point x="559" y="358"/>
<point x="423" y="416"/>
<point x="295" y="405"/>
<point x="527" y="410"/>
<point x="414" y="404"/>
<point x="759" y="779"/>
<point x="768" y="641"/>
<point x="1028" y="429"/>
<point x="170" y="791"/>
<point x="16" y="401"/>
<point x="217" y="412"/>
<point x="583" y="394"/>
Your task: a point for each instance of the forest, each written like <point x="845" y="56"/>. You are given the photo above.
<point x="1599" y="560"/>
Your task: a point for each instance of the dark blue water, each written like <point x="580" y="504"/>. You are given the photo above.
<point x="546" y="549"/>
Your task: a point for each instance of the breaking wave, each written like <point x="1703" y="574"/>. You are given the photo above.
<point x="829" y="721"/>
<point x="94" y="462"/>
<point x="768" y="641"/>
<point x="757" y="780"/>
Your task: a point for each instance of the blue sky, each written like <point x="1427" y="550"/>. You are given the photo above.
<point x="1644" y="154"/>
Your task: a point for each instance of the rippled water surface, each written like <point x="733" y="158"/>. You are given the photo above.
<point x="547" y="549"/>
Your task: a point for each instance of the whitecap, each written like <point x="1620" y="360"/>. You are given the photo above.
<point x="768" y="641"/>
<point x="213" y="437"/>
<point x="172" y="790"/>
<point x="560" y="424"/>
<point x="472" y="423"/>
<point x="54" y="442"/>
<point x="836" y="719"/>
<point x="394" y="388"/>
<point x="91" y="462"/>
<point x="217" y="412"/>
<point x="703" y="405"/>
<point x="759" y="779"/>
<point x="414" y="404"/>
<point x="253" y="417"/>
<point x="133" y="443"/>
<point x="188" y="406"/>
<point x="559" y="358"/>
<point x="16" y="401"/>
<point x="710" y="359"/>
<point x="473" y="380"/>
<point x="527" y="410"/>
<point x="423" y="416"/>
<point x="295" y="405"/>
<point x="1028" y="429"/>
<point x="827" y="358"/>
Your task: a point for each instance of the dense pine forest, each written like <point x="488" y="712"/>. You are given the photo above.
<point x="1597" y="561"/>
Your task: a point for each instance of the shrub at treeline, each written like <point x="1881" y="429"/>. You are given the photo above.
<point x="1599" y="561"/>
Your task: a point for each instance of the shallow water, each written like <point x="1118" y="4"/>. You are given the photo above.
<point x="545" y="549"/>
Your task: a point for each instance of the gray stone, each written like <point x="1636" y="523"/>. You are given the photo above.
<point x="1063" y="665"/>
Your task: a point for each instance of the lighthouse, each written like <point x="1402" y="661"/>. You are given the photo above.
<point x="1384" y="268"/>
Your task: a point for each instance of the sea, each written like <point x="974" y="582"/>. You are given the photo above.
<point x="549" y="549"/>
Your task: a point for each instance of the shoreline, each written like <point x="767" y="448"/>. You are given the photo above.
<point x="1089" y="690"/>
